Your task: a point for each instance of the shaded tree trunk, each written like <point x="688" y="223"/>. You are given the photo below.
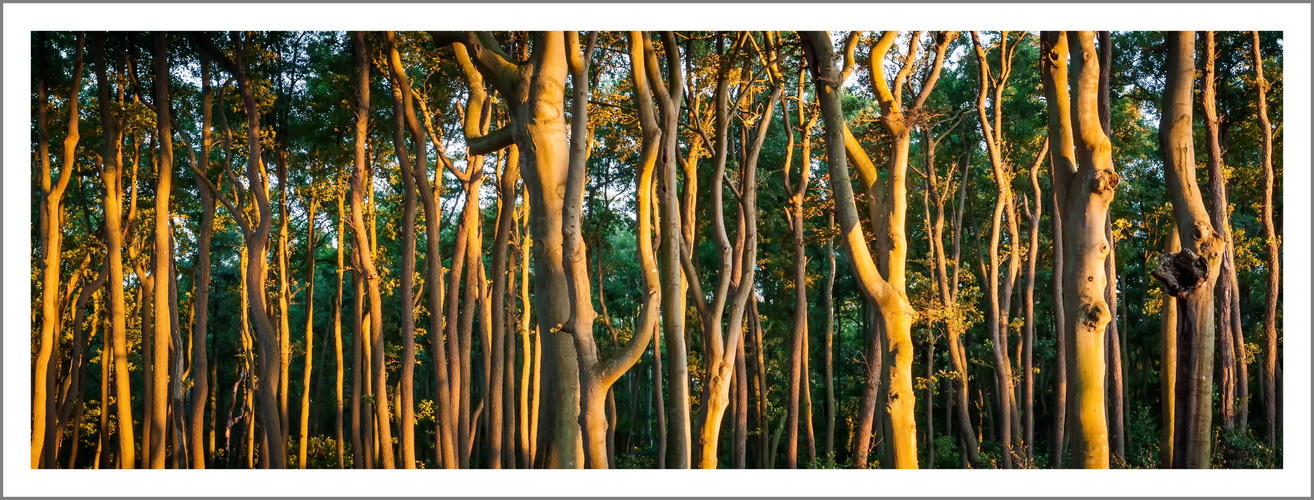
<point x="1189" y="275"/>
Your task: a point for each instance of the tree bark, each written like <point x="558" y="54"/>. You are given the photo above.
<point x="337" y="329"/>
<point x="163" y="322"/>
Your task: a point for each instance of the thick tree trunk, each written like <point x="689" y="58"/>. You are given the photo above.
<point x="1189" y="275"/>
<point x="897" y="314"/>
<point x="1084" y="197"/>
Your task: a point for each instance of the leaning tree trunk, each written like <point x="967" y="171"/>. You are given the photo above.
<point x="1188" y="276"/>
<point x="1084" y="180"/>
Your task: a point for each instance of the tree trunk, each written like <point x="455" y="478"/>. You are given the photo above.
<point x="51" y="241"/>
<point x="163" y="324"/>
<point x="310" y="329"/>
<point x="1189" y="275"/>
<point x="337" y="332"/>
<point x="1084" y="195"/>
<point x="1168" y="361"/>
<point x="828" y="305"/>
<point x="357" y="367"/>
<point x="1274" y="254"/>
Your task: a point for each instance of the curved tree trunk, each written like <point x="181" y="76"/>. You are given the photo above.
<point x="897" y="313"/>
<point x="1274" y="253"/>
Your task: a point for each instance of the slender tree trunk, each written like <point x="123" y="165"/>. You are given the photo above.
<point x="828" y="305"/>
<point x="402" y="107"/>
<point x="1273" y="247"/>
<point x="337" y="332"/>
<point x="357" y="367"/>
<point x="369" y="273"/>
<point x="1219" y="218"/>
<point x="1028" y="301"/>
<point x="1168" y="361"/>
<point x="163" y="324"/>
<point x="310" y="330"/>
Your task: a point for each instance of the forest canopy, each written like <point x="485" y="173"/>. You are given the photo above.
<point x="733" y="249"/>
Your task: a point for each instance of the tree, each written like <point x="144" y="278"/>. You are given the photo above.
<point x="51" y="239"/>
<point x="1084" y="181"/>
<point x="896" y="312"/>
<point x="1189" y="275"/>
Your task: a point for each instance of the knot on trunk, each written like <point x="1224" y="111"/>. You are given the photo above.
<point x="1095" y="315"/>
<point x="1181" y="272"/>
<point x="1103" y="181"/>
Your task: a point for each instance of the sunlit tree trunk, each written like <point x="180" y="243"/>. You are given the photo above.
<point x="1274" y="254"/>
<point x="402" y="107"/>
<point x="896" y="312"/>
<point x="337" y="329"/>
<point x="1084" y="193"/>
<point x="358" y="427"/>
<point x="536" y="108"/>
<point x="369" y="272"/>
<point x="163" y="251"/>
<point x="51" y="240"/>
